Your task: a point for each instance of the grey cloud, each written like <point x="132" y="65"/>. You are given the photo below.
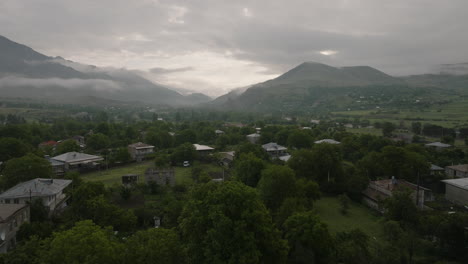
<point x="398" y="37"/>
<point x="95" y="84"/>
<point x="158" y="70"/>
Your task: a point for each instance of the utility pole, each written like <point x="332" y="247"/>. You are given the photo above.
<point x="417" y="191"/>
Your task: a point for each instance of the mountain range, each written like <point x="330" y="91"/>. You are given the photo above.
<point x="314" y="86"/>
<point x="27" y="73"/>
<point x="308" y="87"/>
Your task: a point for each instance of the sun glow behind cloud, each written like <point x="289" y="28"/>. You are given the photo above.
<point x="328" y="52"/>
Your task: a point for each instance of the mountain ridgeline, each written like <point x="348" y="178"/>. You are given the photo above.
<point x="318" y="87"/>
<point x="309" y="87"/>
<point x="28" y="74"/>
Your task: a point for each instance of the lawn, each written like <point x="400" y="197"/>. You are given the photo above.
<point x="359" y="216"/>
<point x="114" y="175"/>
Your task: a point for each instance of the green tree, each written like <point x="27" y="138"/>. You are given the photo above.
<point x="68" y="145"/>
<point x="344" y="203"/>
<point x="84" y="243"/>
<point x="228" y="223"/>
<point x="97" y="142"/>
<point x="387" y="129"/>
<point x="162" y="160"/>
<point x="184" y="152"/>
<point x="299" y="139"/>
<point x="121" y="155"/>
<point x="24" y="169"/>
<point x="302" y="163"/>
<point x="103" y="213"/>
<point x="416" y="128"/>
<point x="352" y="247"/>
<point x="248" y="169"/>
<point x="276" y="184"/>
<point x="309" y="239"/>
<point x="328" y="164"/>
<point x="156" y="244"/>
<point x="12" y="148"/>
<point x="400" y="207"/>
<point x="27" y="252"/>
<point x="257" y="150"/>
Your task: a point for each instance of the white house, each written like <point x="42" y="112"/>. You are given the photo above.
<point x="50" y="191"/>
<point x="77" y="161"/>
<point x="138" y="151"/>
<point x="275" y="150"/>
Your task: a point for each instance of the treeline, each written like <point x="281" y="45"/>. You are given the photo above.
<point x="263" y="214"/>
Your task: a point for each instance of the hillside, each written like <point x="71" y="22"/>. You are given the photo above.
<point x="319" y="87"/>
<point x="29" y="74"/>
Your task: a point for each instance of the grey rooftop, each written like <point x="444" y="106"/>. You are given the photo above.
<point x="36" y="187"/>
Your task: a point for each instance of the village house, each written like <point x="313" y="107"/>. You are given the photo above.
<point x="456" y="190"/>
<point x="80" y="140"/>
<point x="219" y="132"/>
<point x="50" y="191"/>
<point x="275" y="150"/>
<point x="76" y="161"/>
<point x="436" y="170"/>
<point x="457" y="171"/>
<point x="138" y="151"/>
<point x="253" y="138"/>
<point x="227" y="157"/>
<point x="203" y="150"/>
<point x="12" y="216"/>
<point x="160" y="176"/>
<point x="49" y="145"/>
<point x="380" y="190"/>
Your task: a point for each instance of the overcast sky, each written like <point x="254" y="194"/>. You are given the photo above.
<point x="216" y="45"/>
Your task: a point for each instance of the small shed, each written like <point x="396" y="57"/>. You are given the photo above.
<point x="130" y="179"/>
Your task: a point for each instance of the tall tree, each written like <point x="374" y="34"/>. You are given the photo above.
<point x="276" y="184"/>
<point x="248" y="169"/>
<point x="24" y="169"/>
<point x="84" y="243"/>
<point x="68" y="145"/>
<point x="156" y="244"/>
<point x="228" y="223"/>
<point x="309" y="239"/>
<point x="12" y="148"/>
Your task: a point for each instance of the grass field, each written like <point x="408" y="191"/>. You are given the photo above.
<point x="113" y="176"/>
<point x="359" y="216"/>
<point x="448" y="115"/>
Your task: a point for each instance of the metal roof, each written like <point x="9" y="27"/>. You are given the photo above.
<point x="202" y="147"/>
<point x="461" y="167"/>
<point x="76" y="157"/>
<point x="327" y="140"/>
<point x="140" y="145"/>
<point x="36" y="187"/>
<point x="461" y="183"/>
<point x="435" y="167"/>
<point x="272" y="146"/>
<point x="438" y="145"/>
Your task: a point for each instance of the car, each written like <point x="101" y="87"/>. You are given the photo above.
<point x="186" y="163"/>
